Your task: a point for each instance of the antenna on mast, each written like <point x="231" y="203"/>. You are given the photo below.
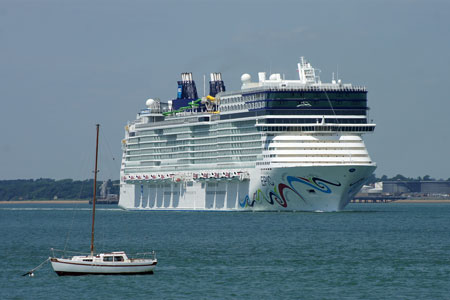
<point x="337" y="72"/>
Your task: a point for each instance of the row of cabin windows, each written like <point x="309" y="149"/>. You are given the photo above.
<point x="311" y="148"/>
<point x="206" y="141"/>
<point x="150" y="150"/>
<point x="193" y="129"/>
<point x="231" y="100"/>
<point x="218" y="153"/>
<point x="313" y="120"/>
<point x="312" y="141"/>
<point x="194" y="161"/>
<point x="208" y="160"/>
<point x="251" y="105"/>
<point x="113" y="258"/>
<point x="311" y="93"/>
<point x="314" y="155"/>
<point x="317" y="128"/>
<point x="223" y="129"/>
<point x="293" y="105"/>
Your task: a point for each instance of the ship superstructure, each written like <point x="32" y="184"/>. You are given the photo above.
<point x="275" y="144"/>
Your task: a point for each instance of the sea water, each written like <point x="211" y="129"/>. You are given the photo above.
<point x="368" y="251"/>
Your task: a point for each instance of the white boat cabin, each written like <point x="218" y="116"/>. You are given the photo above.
<point x="104" y="257"/>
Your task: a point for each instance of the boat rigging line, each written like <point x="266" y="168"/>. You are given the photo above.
<point x="31" y="272"/>
<point x="107" y="145"/>
<point x="332" y="109"/>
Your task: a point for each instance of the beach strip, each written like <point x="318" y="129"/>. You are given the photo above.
<point x="46" y="202"/>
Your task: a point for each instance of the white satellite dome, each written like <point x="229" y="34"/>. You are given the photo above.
<point x="246" y="78"/>
<point x="150" y="103"/>
<point x="275" y="76"/>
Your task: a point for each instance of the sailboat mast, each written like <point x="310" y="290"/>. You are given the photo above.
<point x="95" y="191"/>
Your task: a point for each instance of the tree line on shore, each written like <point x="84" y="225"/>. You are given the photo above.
<point x="373" y="178"/>
<point x="46" y="189"/>
<point x="68" y="189"/>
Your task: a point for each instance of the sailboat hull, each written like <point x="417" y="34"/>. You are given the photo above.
<point x="66" y="267"/>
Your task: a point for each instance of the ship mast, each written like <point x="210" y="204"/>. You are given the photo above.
<point x="95" y="191"/>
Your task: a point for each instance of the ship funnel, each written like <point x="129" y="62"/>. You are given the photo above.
<point x="186" y="87"/>
<point x="216" y="84"/>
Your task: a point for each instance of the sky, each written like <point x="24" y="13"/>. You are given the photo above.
<point x="67" y="65"/>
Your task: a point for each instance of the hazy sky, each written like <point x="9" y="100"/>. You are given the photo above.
<point x="67" y="65"/>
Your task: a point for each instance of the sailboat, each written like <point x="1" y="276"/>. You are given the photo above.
<point x="112" y="263"/>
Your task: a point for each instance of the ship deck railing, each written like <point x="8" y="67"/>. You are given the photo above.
<point x="312" y="88"/>
<point x="173" y="120"/>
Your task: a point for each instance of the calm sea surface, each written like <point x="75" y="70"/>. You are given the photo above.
<point x="369" y="251"/>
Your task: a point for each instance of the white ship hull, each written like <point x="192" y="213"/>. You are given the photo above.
<point x="74" y="267"/>
<point x="305" y="188"/>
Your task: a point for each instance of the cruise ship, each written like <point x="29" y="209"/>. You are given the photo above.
<point x="273" y="145"/>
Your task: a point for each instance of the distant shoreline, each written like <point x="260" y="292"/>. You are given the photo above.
<point x="45" y="202"/>
<point x="422" y="201"/>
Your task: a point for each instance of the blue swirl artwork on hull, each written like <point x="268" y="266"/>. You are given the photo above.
<point x="277" y="195"/>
